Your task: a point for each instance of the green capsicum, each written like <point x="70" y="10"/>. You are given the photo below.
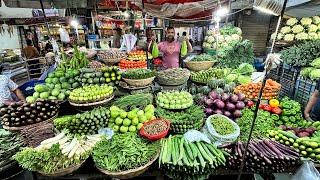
<point x="279" y="123"/>
<point x="298" y="117"/>
<point x="293" y="112"/>
<point x="275" y="117"/>
<point x="292" y="119"/>
<point x="295" y="125"/>
<point x="284" y="118"/>
<point x="288" y="124"/>
<point x="286" y="112"/>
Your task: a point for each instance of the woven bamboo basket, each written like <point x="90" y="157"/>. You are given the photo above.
<point x="139" y="82"/>
<point x="130" y="173"/>
<point x="199" y="65"/>
<point x="31" y="125"/>
<point x="63" y="172"/>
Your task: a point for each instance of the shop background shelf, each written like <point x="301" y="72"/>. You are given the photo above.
<point x="304" y="89"/>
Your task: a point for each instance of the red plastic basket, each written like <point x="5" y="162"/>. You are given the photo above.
<point x="155" y="137"/>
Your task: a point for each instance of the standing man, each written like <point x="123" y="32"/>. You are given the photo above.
<point x="30" y="51"/>
<point x="116" y="38"/>
<point x="312" y="110"/>
<point x="7" y="87"/>
<point x="184" y="34"/>
<point x="170" y="49"/>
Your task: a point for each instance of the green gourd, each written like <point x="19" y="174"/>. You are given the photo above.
<point x="155" y="50"/>
<point x="184" y="49"/>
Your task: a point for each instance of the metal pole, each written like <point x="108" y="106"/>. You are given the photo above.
<point x="145" y="31"/>
<point x="45" y="18"/>
<point x="260" y="95"/>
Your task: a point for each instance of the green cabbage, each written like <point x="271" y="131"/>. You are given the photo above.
<point x="231" y="78"/>
<point x="246" y="68"/>
<point x="316" y="63"/>
<point x="315" y="74"/>
<point x="305" y="72"/>
<point x="244" y="79"/>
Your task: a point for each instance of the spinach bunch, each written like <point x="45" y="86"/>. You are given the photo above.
<point x="302" y="54"/>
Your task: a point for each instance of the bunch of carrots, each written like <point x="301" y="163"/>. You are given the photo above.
<point x="251" y="90"/>
<point x="125" y="64"/>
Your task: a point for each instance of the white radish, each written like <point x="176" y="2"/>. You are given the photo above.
<point x="54" y="139"/>
<point x="86" y="148"/>
<point x="93" y="138"/>
<point x="73" y="150"/>
<point x="91" y="144"/>
<point x="38" y="148"/>
<point x="63" y="140"/>
<point x="70" y="146"/>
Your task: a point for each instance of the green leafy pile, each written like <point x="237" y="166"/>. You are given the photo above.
<point x="47" y="161"/>
<point x="302" y="54"/>
<point x="139" y="73"/>
<point x="235" y="53"/>
<point x="203" y="57"/>
<point x="124" y="151"/>
<point x="134" y="100"/>
<point x="263" y="123"/>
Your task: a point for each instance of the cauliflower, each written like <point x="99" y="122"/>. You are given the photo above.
<point x="211" y="39"/>
<point x="306" y="21"/>
<point x="214" y="46"/>
<point x="206" y="38"/>
<point x="297" y="29"/>
<point x="210" y="32"/>
<point x="224" y="44"/>
<point x="285" y="30"/>
<point x="206" y="45"/>
<point x="289" y="37"/>
<point x="302" y="36"/>
<point x="221" y="39"/>
<point x="292" y="21"/>
<point x="239" y="31"/>
<point x="312" y="28"/>
<point x="235" y="37"/>
<point x="280" y="36"/>
<point x="313" y="36"/>
<point x="316" y="20"/>
<point x="228" y="39"/>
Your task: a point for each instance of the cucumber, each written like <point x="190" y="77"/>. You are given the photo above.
<point x="188" y="150"/>
<point x="168" y="158"/>
<point x="87" y="70"/>
<point x="289" y="135"/>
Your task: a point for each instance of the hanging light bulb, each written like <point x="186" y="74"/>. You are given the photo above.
<point x="222" y="11"/>
<point x="126" y="14"/>
<point x="273" y="7"/>
<point x="74" y="23"/>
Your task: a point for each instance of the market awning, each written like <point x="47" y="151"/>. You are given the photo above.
<point x="59" y="4"/>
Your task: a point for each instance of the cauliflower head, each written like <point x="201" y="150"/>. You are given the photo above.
<point x="285" y="30"/>
<point x="316" y="20"/>
<point x="292" y="21"/>
<point x="313" y="36"/>
<point x="297" y="29"/>
<point x="211" y="39"/>
<point x="288" y="37"/>
<point x="306" y="21"/>
<point x="235" y="37"/>
<point x="206" y="45"/>
<point x="228" y="39"/>
<point x="312" y="28"/>
<point x="239" y="31"/>
<point x="302" y="36"/>
<point x="280" y="36"/>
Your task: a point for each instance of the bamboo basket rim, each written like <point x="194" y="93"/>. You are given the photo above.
<point x="199" y="65"/>
<point x="64" y="171"/>
<point x="30" y="125"/>
<point x="139" y="82"/>
<point x="132" y="87"/>
<point x="142" y="169"/>
<point x="86" y="104"/>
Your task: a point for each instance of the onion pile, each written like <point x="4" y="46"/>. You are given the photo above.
<point x="226" y="104"/>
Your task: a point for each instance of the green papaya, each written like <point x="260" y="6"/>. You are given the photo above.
<point x="184" y="49"/>
<point x="155" y="50"/>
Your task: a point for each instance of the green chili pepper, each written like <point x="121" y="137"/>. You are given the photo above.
<point x="292" y="119"/>
<point x="275" y="117"/>
<point x="284" y="118"/>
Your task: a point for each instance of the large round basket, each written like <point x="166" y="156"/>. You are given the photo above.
<point x="63" y="172"/>
<point x="139" y="82"/>
<point x="130" y="173"/>
<point x="96" y="103"/>
<point x="199" y="65"/>
<point x="31" y="125"/>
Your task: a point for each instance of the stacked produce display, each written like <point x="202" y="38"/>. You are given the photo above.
<point x="306" y="28"/>
<point x="10" y="145"/>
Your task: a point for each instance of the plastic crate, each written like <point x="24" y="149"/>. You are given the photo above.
<point x="287" y="88"/>
<point x="290" y="73"/>
<point x="304" y="89"/>
<point x="31" y="85"/>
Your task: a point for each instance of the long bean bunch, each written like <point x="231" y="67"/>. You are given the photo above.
<point x="124" y="152"/>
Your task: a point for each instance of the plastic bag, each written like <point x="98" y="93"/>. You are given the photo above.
<point x="194" y="135"/>
<point x="64" y="36"/>
<point x="216" y="138"/>
<point x="307" y="171"/>
<point x="108" y="132"/>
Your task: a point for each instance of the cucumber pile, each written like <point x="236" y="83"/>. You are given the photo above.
<point x="85" y="123"/>
<point x="92" y="76"/>
<point x="91" y="93"/>
<point x="193" y="160"/>
<point x="203" y="76"/>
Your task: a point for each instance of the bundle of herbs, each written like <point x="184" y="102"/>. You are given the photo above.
<point x="302" y="54"/>
<point x="139" y="73"/>
<point x="203" y="57"/>
<point x="10" y="144"/>
<point x="235" y="53"/>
